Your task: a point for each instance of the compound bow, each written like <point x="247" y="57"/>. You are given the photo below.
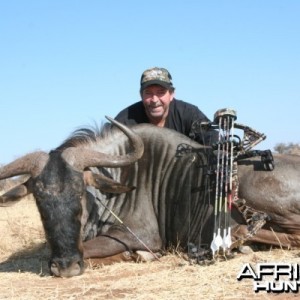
<point x="230" y="149"/>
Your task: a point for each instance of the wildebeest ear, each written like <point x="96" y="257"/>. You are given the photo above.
<point x="14" y="195"/>
<point x="105" y="184"/>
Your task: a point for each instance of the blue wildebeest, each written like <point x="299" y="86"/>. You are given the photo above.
<point x="157" y="182"/>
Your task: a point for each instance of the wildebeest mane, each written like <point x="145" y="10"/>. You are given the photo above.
<point x="83" y="136"/>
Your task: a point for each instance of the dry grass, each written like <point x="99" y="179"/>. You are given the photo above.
<point x="24" y="272"/>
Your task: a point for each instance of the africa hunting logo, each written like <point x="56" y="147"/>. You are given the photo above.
<point x="272" y="277"/>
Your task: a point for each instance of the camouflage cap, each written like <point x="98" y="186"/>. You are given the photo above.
<point x="158" y="76"/>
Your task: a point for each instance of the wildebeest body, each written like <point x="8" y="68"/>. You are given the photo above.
<point x="170" y="187"/>
<point x="277" y="193"/>
<point x="172" y="203"/>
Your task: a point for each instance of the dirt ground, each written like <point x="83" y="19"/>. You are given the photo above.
<point x="24" y="271"/>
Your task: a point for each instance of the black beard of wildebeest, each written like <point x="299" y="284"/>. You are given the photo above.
<point x="158" y="182"/>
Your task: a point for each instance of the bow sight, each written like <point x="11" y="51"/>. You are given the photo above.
<point x="224" y="120"/>
<point x="230" y="148"/>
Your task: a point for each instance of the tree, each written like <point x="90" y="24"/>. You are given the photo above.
<point x="280" y="148"/>
<point x="289" y="148"/>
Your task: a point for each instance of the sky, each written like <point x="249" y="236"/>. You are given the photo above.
<point x="65" y="64"/>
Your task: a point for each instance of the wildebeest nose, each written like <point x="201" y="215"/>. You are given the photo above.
<point x="75" y="269"/>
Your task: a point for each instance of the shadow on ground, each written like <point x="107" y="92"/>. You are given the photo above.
<point x="33" y="260"/>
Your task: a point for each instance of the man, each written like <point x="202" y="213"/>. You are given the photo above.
<point x="159" y="107"/>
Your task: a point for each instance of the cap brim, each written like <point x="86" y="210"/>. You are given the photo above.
<point x="158" y="82"/>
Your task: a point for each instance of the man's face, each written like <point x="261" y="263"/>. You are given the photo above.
<point x="157" y="100"/>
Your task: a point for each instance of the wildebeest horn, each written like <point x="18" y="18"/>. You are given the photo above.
<point x="32" y="164"/>
<point x="82" y="158"/>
